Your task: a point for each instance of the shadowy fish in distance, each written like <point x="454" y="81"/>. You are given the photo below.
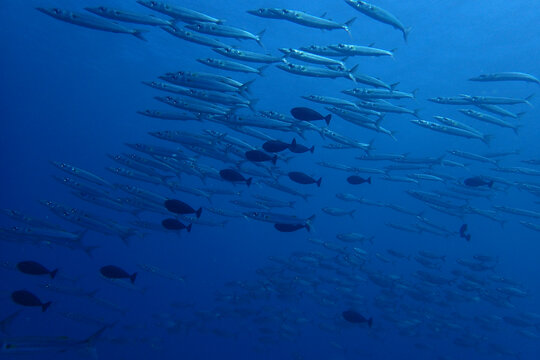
<point x="114" y="272"/>
<point x="301" y="178"/>
<point x="173" y="224"/>
<point x="234" y="176"/>
<point x="260" y="156"/>
<point x="307" y="114"/>
<point x="180" y="207"/>
<point x="34" y="268"/>
<point x="299" y="148"/>
<point x="477" y="181"/>
<point x="357" y="180"/>
<point x="26" y="298"/>
<point x="356" y="318"/>
<point x="275" y="146"/>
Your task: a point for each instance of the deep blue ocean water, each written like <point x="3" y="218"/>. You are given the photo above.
<point x="70" y="94"/>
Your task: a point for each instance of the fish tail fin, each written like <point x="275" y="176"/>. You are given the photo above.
<point x="53" y="273"/>
<point x="248" y="181"/>
<point x="81" y="234"/>
<point x="309" y="221"/>
<point x="133" y="277"/>
<point x="245" y="87"/>
<point x="90" y="342"/>
<point x="259" y="36"/>
<point x="406" y="32"/>
<point x="327" y="118"/>
<point x="293" y="142"/>
<point x="350" y="21"/>
<point x="370" y="322"/>
<point x="319" y="182"/>
<point x="516" y="129"/>
<point x="351" y="213"/>
<point x="312" y="150"/>
<point x="198" y="212"/>
<point x="529" y="98"/>
<point x="261" y="69"/>
<point x="138" y="33"/>
<point x="369" y="180"/>
<point x="252" y="103"/>
<point x="393" y="86"/>
<point x="490" y="184"/>
<point x="520" y="114"/>
<point x="274" y="159"/>
<point x="45" y="306"/>
<point x="353" y="70"/>
<point x="414" y="92"/>
<point x="188" y="228"/>
<point x="468" y="237"/>
<point x="487" y="139"/>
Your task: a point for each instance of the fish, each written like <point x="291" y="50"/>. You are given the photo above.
<point x="289" y="227"/>
<point x="193" y="37"/>
<point x="490" y="119"/>
<point x="260" y="156"/>
<point x="275" y="146"/>
<point x="5" y="323"/>
<point x="338" y="212"/>
<point x="453" y="131"/>
<point x="302" y="178"/>
<point x="174" y="224"/>
<point x="82" y="174"/>
<point x="232" y="66"/>
<point x="245" y="55"/>
<point x="35" y="268"/>
<point x="26" y="298"/>
<point x="477" y="181"/>
<point x="225" y="31"/>
<point x="281" y="219"/>
<point x="462" y="232"/>
<point x="91" y="22"/>
<point x="352" y="50"/>
<point x="316" y="71"/>
<point x="49" y="344"/>
<point x="379" y="14"/>
<point x="356" y="318"/>
<point x="234" y="176"/>
<point x="311" y="58"/>
<point x="179" y="13"/>
<point x="114" y="272"/>
<point x="506" y="76"/>
<point x="307" y="114"/>
<point x="120" y="15"/>
<point x="357" y="180"/>
<point x="180" y="207"/>
<point x="299" y="148"/>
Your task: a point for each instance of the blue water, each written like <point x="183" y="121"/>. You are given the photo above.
<point x="70" y="94"/>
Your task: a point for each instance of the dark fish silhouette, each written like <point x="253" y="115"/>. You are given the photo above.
<point x="299" y="148"/>
<point x="357" y="180"/>
<point x="234" y="176"/>
<point x="180" y="207"/>
<point x="275" y="146"/>
<point x="260" y="156"/>
<point x="301" y="178"/>
<point x="34" y="268"/>
<point x="26" y="298"/>
<point x="173" y="224"/>
<point x="462" y="232"/>
<point x="477" y="181"/>
<point x="114" y="272"/>
<point x="290" y="227"/>
<point x="307" y="114"/>
<point x="356" y="318"/>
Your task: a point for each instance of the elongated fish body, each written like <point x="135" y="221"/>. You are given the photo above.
<point x="489" y="119"/>
<point x="194" y="106"/>
<point x="506" y="76"/>
<point x="193" y="37"/>
<point x="125" y="16"/>
<point x="33" y="222"/>
<point x="351" y="116"/>
<point x="451" y="130"/>
<point x="80" y="173"/>
<point x="177" y="12"/>
<point x="450" y="100"/>
<point x="330" y="101"/>
<point x="311" y="58"/>
<point x="352" y="50"/>
<point x="230" y="65"/>
<point x="372" y="81"/>
<point x="472" y="156"/>
<point x="384" y="106"/>
<point x="136" y="166"/>
<point x="134" y="175"/>
<point x="168" y="115"/>
<point x="379" y="14"/>
<point x="321" y="50"/>
<point x="194" y="80"/>
<point x="314" y="71"/>
<point x="278" y="186"/>
<point x="363" y="93"/>
<point x="153" y="150"/>
<point x="90" y="21"/>
<point x="345" y="140"/>
<point x="278" y="218"/>
<point x="268" y="13"/>
<point x="247" y="55"/>
<point x="496" y="100"/>
<point x="457" y="124"/>
<point x="225" y="31"/>
<point x="302" y="18"/>
<point x="495" y="109"/>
